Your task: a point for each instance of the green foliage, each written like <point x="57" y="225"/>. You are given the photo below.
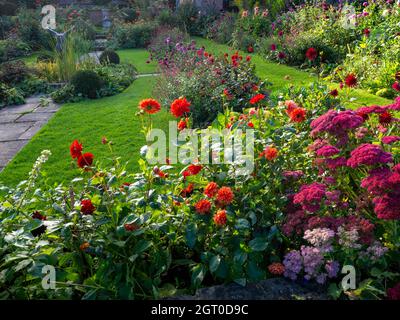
<point x="133" y="35"/>
<point x="10" y="49"/>
<point x="9" y="96"/>
<point x="13" y="72"/>
<point x="109" y="56"/>
<point x="87" y="83"/>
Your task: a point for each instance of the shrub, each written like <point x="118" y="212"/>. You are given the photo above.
<point x="10" y="49"/>
<point x="8" y="8"/>
<point x="133" y="35"/>
<point x="66" y="94"/>
<point x="206" y="80"/>
<point x="221" y="29"/>
<point x="109" y="56"/>
<point x="13" y="72"/>
<point x="9" y="96"/>
<point x="87" y="83"/>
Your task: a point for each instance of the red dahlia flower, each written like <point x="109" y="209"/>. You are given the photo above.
<point x="351" y="80"/>
<point x="37" y="215"/>
<point x="273" y="47"/>
<point x="187" y="191"/>
<point x="131" y="227"/>
<point x="270" y="153"/>
<point x="250" y="49"/>
<point x="225" y="196"/>
<point x="334" y="93"/>
<point x="220" y="218"/>
<point x="298" y="115"/>
<point x="85" y="160"/>
<point x="211" y="190"/>
<point x="396" y="86"/>
<point x="179" y="107"/>
<point x="366" y="32"/>
<point x="281" y="55"/>
<point x="75" y="149"/>
<point x="182" y="124"/>
<point x="87" y="207"/>
<point x="203" y="206"/>
<point x="257" y="98"/>
<point x="311" y="54"/>
<point x="150" y="106"/>
<point x="385" y="118"/>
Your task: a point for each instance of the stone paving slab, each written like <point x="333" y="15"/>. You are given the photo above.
<point x="12" y="131"/>
<point x="8" y="117"/>
<point x="35" y="117"/>
<point x="18" y="124"/>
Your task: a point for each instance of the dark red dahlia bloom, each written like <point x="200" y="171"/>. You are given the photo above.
<point x="87" y="207"/>
<point x="85" y="160"/>
<point x="396" y="86"/>
<point x="366" y="32"/>
<point x="334" y="93"/>
<point x="39" y="216"/>
<point x="351" y="80"/>
<point x="311" y="54"/>
<point x="281" y="55"/>
<point x="75" y="149"/>
<point x="385" y="118"/>
<point x="368" y="154"/>
<point x="273" y="47"/>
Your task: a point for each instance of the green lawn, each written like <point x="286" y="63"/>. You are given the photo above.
<point x="138" y="58"/>
<point x="112" y="117"/>
<point x="282" y="75"/>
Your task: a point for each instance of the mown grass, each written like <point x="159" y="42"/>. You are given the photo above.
<point x="89" y="121"/>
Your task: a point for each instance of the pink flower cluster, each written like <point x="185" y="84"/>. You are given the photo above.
<point x="368" y="154"/>
<point x="310" y="196"/>
<point x="336" y="123"/>
<point x="384" y="185"/>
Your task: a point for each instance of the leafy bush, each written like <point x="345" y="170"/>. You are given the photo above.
<point x="8" y="8"/>
<point x="66" y="94"/>
<point x="133" y="35"/>
<point x="206" y="80"/>
<point x="9" y="96"/>
<point x="221" y="29"/>
<point x="13" y="72"/>
<point x="87" y="83"/>
<point x="10" y="49"/>
<point x="109" y="56"/>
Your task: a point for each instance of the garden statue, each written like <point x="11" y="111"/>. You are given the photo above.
<point x="60" y="38"/>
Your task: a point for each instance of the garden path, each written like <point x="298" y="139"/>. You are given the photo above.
<point x="18" y="124"/>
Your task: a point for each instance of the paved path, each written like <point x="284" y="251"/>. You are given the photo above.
<point x="18" y="124"/>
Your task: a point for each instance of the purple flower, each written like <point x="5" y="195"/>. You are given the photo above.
<point x="295" y="175"/>
<point x="368" y="154"/>
<point x="293" y="264"/>
<point x="332" y="268"/>
<point x="312" y="261"/>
